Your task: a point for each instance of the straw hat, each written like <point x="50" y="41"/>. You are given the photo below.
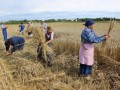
<point x="49" y="29"/>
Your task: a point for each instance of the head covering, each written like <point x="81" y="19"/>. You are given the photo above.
<point x="49" y="29"/>
<point x="89" y="22"/>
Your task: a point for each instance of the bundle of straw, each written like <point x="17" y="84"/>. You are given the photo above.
<point x="39" y="35"/>
<point x="6" y="79"/>
<point x="112" y="23"/>
<point x="29" y="29"/>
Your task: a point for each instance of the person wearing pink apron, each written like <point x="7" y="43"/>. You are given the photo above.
<point x="86" y="52"/>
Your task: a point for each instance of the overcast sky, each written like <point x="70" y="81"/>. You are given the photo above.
<point x="16" y="7"/>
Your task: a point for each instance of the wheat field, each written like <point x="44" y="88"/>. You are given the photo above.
<point x="22" y="70"/>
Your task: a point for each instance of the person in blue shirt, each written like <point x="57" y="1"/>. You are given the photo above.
<point x="4" y="31"/>
<point x="86" y="52"/>
<point x="16" y="42"/>
<point x="21" y="26"/>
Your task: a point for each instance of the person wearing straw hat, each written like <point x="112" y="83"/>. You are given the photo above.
<point x="4" y="30"/>
<point x="49" y="35"/>
<point x="49" y="38"/>
<point x="21" y="26"/>
<point x="86" y="52"/>
<point x="16" y="42"/>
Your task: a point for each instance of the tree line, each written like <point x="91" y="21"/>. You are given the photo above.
<point x="61" y="20"/>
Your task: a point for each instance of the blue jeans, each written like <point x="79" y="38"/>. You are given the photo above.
<point x="85" y="69"/>
<point x="4" y="34"/>
<point x="19" y="47"/>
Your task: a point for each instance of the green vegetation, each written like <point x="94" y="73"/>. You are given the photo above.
<point x="104" y="19"/>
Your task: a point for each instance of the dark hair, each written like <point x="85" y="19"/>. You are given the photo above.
<point x="21" y="23"/>
<point x="8" y="42"/>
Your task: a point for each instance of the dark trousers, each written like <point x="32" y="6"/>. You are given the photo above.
<point x="18" y="47"/>
<point x="85" y="69"/>
<point x="41" y="58"/>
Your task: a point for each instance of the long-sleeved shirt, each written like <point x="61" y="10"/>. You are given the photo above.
<point x="21" y="27"/>
<point x="88" y="36"/>
<point x="17" y="42"/>
<point x="44" y="27"/>
<point x="3" y="27"/>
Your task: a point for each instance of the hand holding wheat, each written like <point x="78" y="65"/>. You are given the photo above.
<point x="106" y="36"/>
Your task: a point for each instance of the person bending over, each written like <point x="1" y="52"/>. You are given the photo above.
<point x="16" y="42"/>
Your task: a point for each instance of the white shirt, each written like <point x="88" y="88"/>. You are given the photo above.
<point x="44" y="27"/>
<point x="52" y="35"/>
<point x="2" y="26"/>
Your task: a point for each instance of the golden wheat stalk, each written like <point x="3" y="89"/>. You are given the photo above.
<point x="6" y="79"/>
<point x="112" y="23"/>
<point x="111" y="26"/>
<point x="39" y="35"/>
<point x="53" y="76"/>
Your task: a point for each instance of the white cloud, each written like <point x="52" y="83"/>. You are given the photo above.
<point x="17" y="7"/>
<point x="29" y="6"/>
<point x="78" y="5"/>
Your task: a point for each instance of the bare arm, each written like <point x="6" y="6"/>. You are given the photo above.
<point x="52" y="36"/>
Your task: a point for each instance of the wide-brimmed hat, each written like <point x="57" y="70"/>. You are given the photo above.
<point x="89" y="22"/>
<point x="50" y="29"/>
